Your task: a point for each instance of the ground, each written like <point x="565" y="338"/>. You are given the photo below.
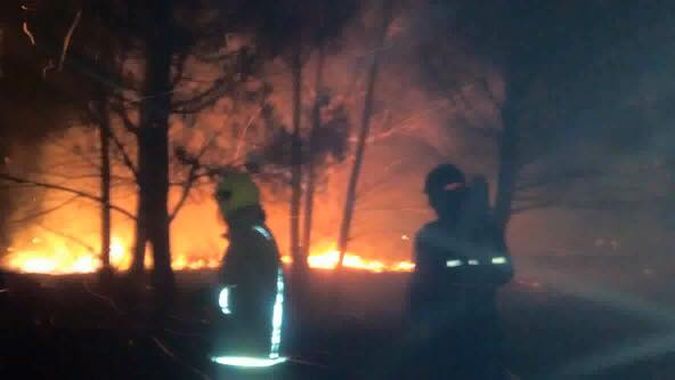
<point x="562" y="317"/>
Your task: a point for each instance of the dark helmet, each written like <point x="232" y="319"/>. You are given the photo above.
<point x="445" y="177"/>
<point x="445" y="186"/>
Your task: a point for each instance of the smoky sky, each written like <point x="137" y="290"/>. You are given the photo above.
<point x="594" y="79"/>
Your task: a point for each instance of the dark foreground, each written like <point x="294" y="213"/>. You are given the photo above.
<point x="605" y="321"/>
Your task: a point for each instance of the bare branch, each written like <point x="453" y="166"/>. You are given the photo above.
<point x="125" y="156"/>
<point x="70" y="150"/>
<point x="129" y="125"/>
<point x="186" y="192"/>
<point x="192" y="174"/>
<point x="82" y="194"/>
<point x="45" y="212"/>
<point x="67" y="236"/>
<point x="68" y="38"/>
<point x="198" y="102"/>
<point x="406" y="123"/>
<point x="242" y="135"/>
<point x="27" y="32"/>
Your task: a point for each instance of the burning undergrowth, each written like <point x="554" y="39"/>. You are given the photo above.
<point x="413" y="129"/>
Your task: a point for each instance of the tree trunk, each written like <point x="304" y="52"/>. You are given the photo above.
<point x="4" y="198"/>
<point x="104" y="137"/>
<point x="298" y="275"/>
<point x="153" y="153"/>
<point x="350" y="199"/>
<point x="140" y="235"/>
<point x="296" y="163"/>
<point x="508" y="161"/>
<point x="311" y="175"/>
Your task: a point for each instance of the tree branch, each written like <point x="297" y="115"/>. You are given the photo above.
<point x="125" y="156"/>
<point x="51" y="186"/>
<point x="45" y="212"/>
<point x="242" y="135"/>
<point x="69" y="237"/>
<point x="196" y="103"/>
<point x="192" y="174"/>
<point x="129" y="125"/>
<point x="68" y="38"/>
<point x="185" y="193"/>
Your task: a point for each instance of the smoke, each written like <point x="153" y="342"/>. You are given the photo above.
<point x="414" y="128"/>
<point x="435" y="102"/>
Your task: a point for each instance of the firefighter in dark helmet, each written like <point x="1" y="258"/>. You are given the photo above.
<point x="461" y="261"/>
<point x="251" y="291"/>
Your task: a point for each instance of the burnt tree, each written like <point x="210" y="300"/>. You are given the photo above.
<point x="350" y="198"/>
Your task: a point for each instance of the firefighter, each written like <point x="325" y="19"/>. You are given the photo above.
<point x="251" y="292"/>
<point x="461" y="261"/>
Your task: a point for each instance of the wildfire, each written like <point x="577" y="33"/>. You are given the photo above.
<point x="328" y="259"/>
<point x="57" y="256"/>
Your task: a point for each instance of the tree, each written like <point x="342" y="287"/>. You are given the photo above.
<point x="294" y="31"/>
<point x="87" y="105"/>
<point x="324" y="136"/>
<point x="543" y="81"/>
<point x="143" y="99"/>
<point x="153" y="147"/>
<point x="311" y="144"/>
<point x="350" y="198"/>
<point x="104" y="131"/>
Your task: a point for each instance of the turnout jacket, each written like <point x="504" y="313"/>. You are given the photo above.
<point x="252" y="274"/>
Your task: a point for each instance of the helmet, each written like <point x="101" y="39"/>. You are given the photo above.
<point x="445" y="186"/>
<point x="235" y="191"/>
<point x="445" y="177"/>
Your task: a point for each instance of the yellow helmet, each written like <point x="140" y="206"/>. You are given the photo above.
<point x="235" y="191"/>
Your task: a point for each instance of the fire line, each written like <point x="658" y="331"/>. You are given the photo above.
<point x="56" y="257"/>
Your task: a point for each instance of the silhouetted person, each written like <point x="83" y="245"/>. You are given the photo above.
<point x="251" y="299"/>
<point x="461" y="261"/>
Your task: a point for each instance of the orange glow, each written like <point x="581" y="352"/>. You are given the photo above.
<point x="329" y="258"/>
<point x="56" y="256"/>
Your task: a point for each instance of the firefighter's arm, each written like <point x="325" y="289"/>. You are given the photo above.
<point x="229" y="275"/>
<point x="227" y="281"/>
<point x="482" y="265"/>
<point x="426" y="263"/>
<point x="261" y="261"/>
<point x="502" y="264"/>
<point x="497" y="264"/>
<point x="500" y="269"/>
<point x="492" y="260"/>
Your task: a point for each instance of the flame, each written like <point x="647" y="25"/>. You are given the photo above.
<point x="57" y="256"/>
<point x="328" y="259"/>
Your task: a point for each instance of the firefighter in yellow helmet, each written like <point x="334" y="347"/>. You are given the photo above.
<point x="251" y="279"/>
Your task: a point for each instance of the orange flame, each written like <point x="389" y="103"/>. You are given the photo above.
<point x="56" y="256"/>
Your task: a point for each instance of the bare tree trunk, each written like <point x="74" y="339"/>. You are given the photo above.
<point x="153" y="153"/>
<point x="5" y="208"/>
<point x="311" y="175"/>
<point x="350" y="200"/>
<point x="298" y="275"/>
<point x="140" y="238"/>
<point x="104" y="137"/>
<point x="508" y="161"/>
<point x="296" y="163"/>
